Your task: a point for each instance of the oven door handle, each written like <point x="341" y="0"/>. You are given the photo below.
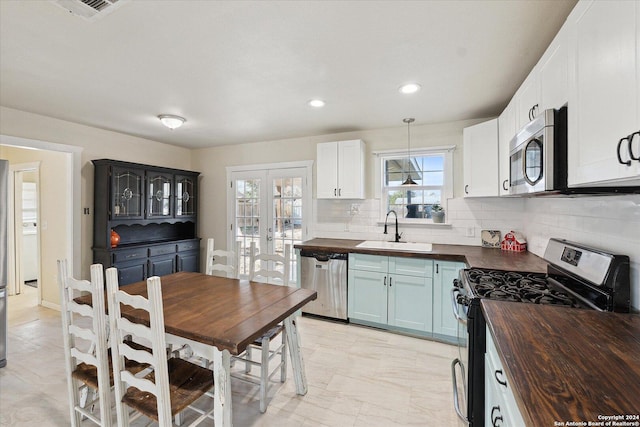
<point x="454" y="302"/>
<point x="456" y="403"/>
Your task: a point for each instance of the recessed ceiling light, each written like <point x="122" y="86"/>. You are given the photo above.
<point x="409" y="88"/>
<point x="171" y="121"/>
<point x="316" y="103"/>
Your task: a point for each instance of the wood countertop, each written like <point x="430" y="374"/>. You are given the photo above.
<point x="473" y="256"/>
<point x="568" y="364"/>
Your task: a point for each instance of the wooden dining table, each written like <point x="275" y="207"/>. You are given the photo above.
<point x="219" y="317"/>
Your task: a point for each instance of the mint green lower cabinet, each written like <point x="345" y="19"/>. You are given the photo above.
<point x="394" y="292"/>
<point x="367" y="296"/>
<point x="445" y="324"/>
<point x="409" y="303"/>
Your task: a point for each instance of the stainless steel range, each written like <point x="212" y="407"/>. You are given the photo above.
<point x="577" y="277"/>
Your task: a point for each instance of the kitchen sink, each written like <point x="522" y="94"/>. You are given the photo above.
<point x="396" y="246"/>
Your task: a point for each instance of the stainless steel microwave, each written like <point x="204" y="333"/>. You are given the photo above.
<point x="538" y="155"/>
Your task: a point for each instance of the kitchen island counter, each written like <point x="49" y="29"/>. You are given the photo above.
<point x="473" y="256"/>
<point x="568" y="365"/>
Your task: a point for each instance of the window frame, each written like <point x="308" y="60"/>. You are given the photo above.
<point x="447" y="187"/>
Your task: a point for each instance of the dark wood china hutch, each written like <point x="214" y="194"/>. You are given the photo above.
<point x="151" y="212"/>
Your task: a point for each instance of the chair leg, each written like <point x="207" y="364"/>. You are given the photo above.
<point x="283" y="358"/>
<point x="264" y="374"/>
<point x="247" y="367"/>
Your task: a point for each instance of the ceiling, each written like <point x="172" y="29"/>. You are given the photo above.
<point x="243" y="71"/>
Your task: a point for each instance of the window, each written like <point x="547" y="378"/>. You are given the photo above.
<point x="432" y="171"/>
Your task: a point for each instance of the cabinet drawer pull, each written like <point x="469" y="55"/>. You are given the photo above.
<point x="628" y="162"/>
<point x="505" y="183"/>
<point x="494" y="420"/>
<point x="466" y="189"/>
<point x="385" y="280"/>
<point x="630" y="138"/>
<point x="335" y="191"/>
<point x="390" y="284"/>
<point x="501" y="382"/>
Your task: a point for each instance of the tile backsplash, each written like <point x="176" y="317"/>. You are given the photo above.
<point x="611" y="223"/>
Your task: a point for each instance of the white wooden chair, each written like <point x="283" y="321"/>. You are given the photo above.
<point x="231" y="268"/>
<point x="84" y="330"/>
<point x="264" y="267"/>
<point x="172" y="384"/>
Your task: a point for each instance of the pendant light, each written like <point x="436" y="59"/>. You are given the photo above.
<point x="409" y="182"/>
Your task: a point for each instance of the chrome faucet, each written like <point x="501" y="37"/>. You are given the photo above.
<point x="397" y="238"/>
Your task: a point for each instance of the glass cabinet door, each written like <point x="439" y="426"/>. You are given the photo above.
<point x="185" y="196"/>
<point x="127" y="193"/>
<point x="159" y="203"/>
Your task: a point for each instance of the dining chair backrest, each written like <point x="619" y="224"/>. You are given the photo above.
<point x="85" y="342"/>
<point x="232" y="260"/>
<point x="264" y="266"/>
<point x="122" y="330"/>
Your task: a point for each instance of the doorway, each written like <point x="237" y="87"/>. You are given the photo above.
<point x="58" y="189"/>
<point x="26" y="231"/>
<point x="269" y="205"/>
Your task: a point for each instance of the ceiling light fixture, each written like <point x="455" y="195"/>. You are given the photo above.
<point x="171" y="121"/>
<point x="409" y="182"/>
<point x="410" y="88"/>
<point x="316" y="103"/>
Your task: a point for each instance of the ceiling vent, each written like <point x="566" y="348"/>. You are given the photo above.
<point x="90" y="10"/>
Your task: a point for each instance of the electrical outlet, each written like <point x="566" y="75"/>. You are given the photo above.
<point x="355" y="209"/>
<point x="470" y="232"/>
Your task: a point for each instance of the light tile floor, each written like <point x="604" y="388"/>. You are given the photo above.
<point x="356" y="376"/>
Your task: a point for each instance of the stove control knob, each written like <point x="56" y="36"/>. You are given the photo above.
<point x="462" y="300"/>
<point x="456" y="283"/>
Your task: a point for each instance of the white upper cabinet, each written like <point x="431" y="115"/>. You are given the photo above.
<point x="340" y="170"/>
<point x="527" y="99"/>
<point x="552" y="72"/>
<point x="604" y="93"/>
<point x="480" y="152"/>
<point x="506" y="131"/>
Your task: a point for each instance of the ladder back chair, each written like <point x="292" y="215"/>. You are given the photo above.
<point x="231" y="267"/>
<point x="85" y="343"/>
<point x="169" y="385"/>
<point x="264" y="267"/>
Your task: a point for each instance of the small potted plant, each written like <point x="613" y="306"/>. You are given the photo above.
<point x="437" y="213"/>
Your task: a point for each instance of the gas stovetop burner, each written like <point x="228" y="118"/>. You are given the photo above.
<point x="517" y="286"/>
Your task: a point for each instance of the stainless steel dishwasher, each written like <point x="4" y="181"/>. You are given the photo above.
<point x="325" y="273"/>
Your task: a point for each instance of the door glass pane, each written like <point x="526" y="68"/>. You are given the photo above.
<point x="159" y="196"/>
<point x="186" y="202"/>
<point x="127" y="195"/>
<point x="247" y="218"/>
<point x="287" y="217"/>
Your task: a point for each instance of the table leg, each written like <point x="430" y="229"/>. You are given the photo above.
<point x="222" y="388"/>
<point x="293" y="342"/>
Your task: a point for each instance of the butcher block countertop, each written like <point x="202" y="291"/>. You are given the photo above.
<point x="473" y="256"/>
<point x="567" y="364"/>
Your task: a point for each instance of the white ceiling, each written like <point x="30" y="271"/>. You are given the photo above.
<point x="243" y="71"/>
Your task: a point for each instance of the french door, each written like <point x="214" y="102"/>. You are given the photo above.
<point x="270" y="207"/>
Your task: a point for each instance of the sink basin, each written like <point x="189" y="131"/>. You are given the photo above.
<point x="396" y="246"/>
